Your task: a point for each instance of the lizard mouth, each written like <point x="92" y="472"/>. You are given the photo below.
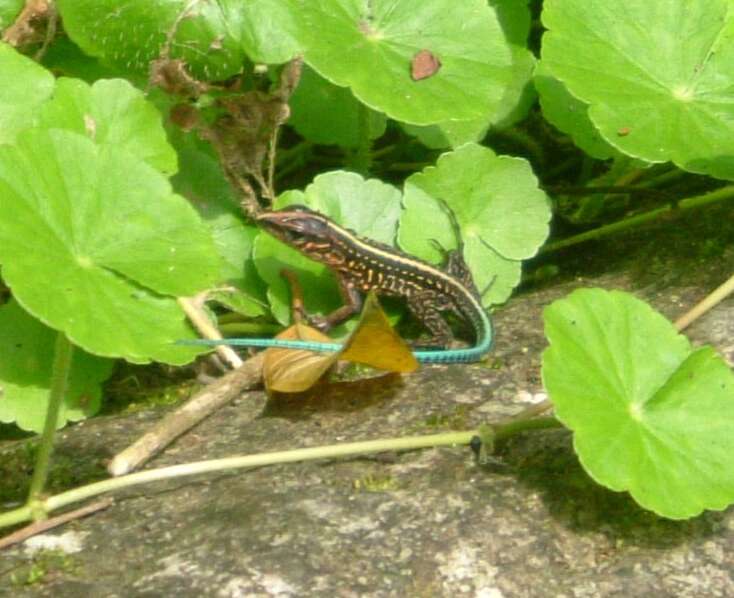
<point x="290" y="226"/>
<point x="280" y="226"/>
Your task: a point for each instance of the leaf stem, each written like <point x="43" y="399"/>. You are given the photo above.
<point x="501" y="431"/>
<point x="603" y="231"/>
<point x="362" y="158"/>
<point x="63" y="353"/>
<point x="664" y="178"/>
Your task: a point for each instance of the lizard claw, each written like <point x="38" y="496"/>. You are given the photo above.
<point x="321" y="323"/>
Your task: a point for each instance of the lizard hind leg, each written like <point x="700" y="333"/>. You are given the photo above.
<point x="426" y="306"/>
<point x="455" y="265"/>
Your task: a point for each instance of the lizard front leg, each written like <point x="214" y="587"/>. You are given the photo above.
<point x="352" y="305"/>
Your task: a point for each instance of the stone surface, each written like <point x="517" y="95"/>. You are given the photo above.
<point x="422" y="523"/>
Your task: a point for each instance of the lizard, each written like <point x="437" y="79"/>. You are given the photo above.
<point x="360" y="265"/>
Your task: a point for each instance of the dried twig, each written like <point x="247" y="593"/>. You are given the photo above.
<point x="192" y="308"/>
<point x="39" y="527"/>
<point x="710" y="301"/>
<point x="211" y="398"/>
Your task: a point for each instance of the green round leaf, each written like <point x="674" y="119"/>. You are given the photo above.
<point x="501" y="213"/>
<point x="25" y="85"/>
<point x="569" y="115"/>
<point x="130" y="34"/>
<point x="432" y="136"/>
<point x="324" y="113"/>
<point x="370" y="48"/>
<point x="649" y="414"/>
<point x="111" y="112"/>
<point x="518" y="97"/>
<point x="64" y="58"/>
<point x="90" y="237"/>
<point x="657" y="76"/>
<point x="27" y="348"/>
<point x="265" y="29"/>
<point x="369" y="207"/>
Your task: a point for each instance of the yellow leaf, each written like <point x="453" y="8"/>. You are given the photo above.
<point x="375" y="343"/>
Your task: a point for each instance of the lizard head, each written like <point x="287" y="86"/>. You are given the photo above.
<point x="300" y="227"/>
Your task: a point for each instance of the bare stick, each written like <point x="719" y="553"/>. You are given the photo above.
<point x="41" y="526"/>
<point x="528" y="412"/>
<point x="713" y="299"/>
<point x="215" y="395"/>
<point x="222" y="391"/>
<point x="195" y="313"/>
<point x="52" y="21"/>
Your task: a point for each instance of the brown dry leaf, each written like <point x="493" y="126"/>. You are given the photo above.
<point x="29" y="24"/>
<point x="424" y="64"/>
<point x="296" y="370"/>
<point x="171" y="75"/>
<point x="373" y="343"/>
<point x="376" y="344"/>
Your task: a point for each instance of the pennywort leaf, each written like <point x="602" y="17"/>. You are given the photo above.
<point x="27" y="348"/>
<point x="370" y="46"/>
<point x="649" y="414"/>
<point x="657" y="76"/>
<point x="327" y="114"/>
<point x="492" y="197"/>
<point x="94" y="243"/>
<point x="111" y="112"/>
<point x="569" y="115"/>
<point x="131" y="34"/>
<point x="25" y="86"/>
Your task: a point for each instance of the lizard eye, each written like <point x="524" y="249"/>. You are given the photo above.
<point x="309" y="225"/>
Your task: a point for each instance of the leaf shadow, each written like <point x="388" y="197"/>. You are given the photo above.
<point x="546" y="463"/>
<point x="334" y="396"/>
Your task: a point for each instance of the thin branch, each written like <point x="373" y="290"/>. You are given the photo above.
<point x="710" y="301"/>
<point x="43" y="526"/>
<point x="192" y="308"/>
<point x="213" y="397"/>
<point x="52" y="21"/>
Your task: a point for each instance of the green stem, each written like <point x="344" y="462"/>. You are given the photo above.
<point x="384" y="151"/>
<point x="537" y="423"/>
<point x="292" y="159"/>
<point x="63" y="354"/>
<point x="664" y="178"/>
<point x="604" y="231"/>
<point x="587" y="167"/>
<point x="362" y="158"/>
<point x="528" y="142"/>
<point x="305" y="454"/>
